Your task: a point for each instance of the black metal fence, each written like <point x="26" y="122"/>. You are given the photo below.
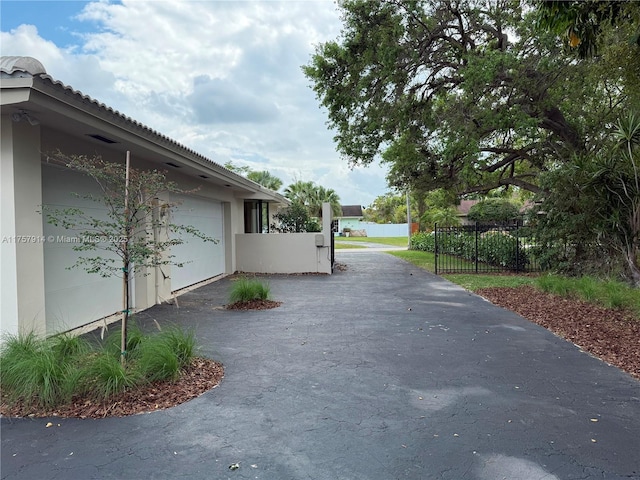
<point x="484" y="248"/>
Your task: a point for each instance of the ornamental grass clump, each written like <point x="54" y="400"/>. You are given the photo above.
<point x="40" y="371"/>
<point x="49" y="372"/>
<point x="247" y="290"/>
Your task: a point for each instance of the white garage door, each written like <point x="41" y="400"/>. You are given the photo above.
<point x="73" y="297"/>
<point x="203" y="260"/>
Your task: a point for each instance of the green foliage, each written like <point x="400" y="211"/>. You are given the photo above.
<point x="50" y="371"/>
<point x="266" y="179"/>
<point x="104" y="376"/>
<point x="425" y="260"/>
<point x="475" y="282"/>
<point x="607" y="293"/>
<point x="135" y="336"/>
<point x="443" y="217"/>
<point x="156" y="359"/>
<point x="493" y="247"/>
<point x="579" y="24"/>
<point x="424" y="241"/>
<point x="493" y="210"/>
<point x="389" y="208"/>
<point x="182" y="343"/>
<point x="247" y="289"/>
<point x="40" y="371"/>
<point x="479" y="110"/>
<point x="312" y="196"/>
<point x="591" y="223"/>
<point x="294" y="219"/>
<point x="471" y="111"/>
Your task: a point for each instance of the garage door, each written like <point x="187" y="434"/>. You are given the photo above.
<point x="73" y="297"/>
<point x="202" y="260"/>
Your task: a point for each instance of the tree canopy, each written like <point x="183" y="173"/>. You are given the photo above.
<point x="482" y="96"/>
<point x="465" y="95"/>
<point x="313" y="196"/>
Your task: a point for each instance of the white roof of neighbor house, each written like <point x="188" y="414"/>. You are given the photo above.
<point x="15" y="67"/>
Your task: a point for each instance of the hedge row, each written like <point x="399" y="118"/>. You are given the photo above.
<point x="493" y="248"/>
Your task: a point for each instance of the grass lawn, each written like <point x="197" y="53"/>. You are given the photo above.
<point x="393" y="241"/>
<point x="345" y="246"/>
<point x="605" y="293"/>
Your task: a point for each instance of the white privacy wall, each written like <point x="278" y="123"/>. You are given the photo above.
<point x="282" y="253"/>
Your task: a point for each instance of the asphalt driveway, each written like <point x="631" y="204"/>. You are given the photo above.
<point x="382" y="371"/>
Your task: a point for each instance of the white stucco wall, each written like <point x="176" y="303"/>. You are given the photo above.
<point x="286" y="252"/>
<point x="21" y="260"/>
<point x="282" y="253"/>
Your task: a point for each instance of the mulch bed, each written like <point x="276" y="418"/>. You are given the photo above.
<point x="202" y="375"/>
<point x="609" y="334"/>
<point x="254" y="305"/>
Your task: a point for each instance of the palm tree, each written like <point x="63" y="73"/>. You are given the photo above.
<point x="299" y="192"/>
<point x="265" y="179"/>
<point x="321" y="195"/>
<point x="313" y="196"/>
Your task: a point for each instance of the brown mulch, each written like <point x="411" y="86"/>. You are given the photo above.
<point x="610" y="334"/>
<point x="254" y="305"/>
<point x="202" y="375"/>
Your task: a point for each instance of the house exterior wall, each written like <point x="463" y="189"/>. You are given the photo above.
<point x="23" y="304"/>
<point x="64" y="119"/>
<point x="346" y="222"/>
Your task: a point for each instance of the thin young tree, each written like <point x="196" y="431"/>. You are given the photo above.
<point x="128" y="230"/>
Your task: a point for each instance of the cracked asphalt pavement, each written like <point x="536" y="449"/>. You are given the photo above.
<point x="381" y="371"/>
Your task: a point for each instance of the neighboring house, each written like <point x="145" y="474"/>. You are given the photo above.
<point x="38" y="292"/>
<point x="463" y="211"/>
<point x="350" y="218"/>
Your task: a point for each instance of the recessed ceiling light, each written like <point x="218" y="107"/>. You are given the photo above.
<point x="172" y="165"/>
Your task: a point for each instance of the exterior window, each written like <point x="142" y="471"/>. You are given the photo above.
<point x="256" y="216"/>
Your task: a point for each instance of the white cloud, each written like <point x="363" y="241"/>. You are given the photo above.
<point x="224" y="78"/>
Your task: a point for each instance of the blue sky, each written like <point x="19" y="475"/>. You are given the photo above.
<point x="221" y="77"/>
<point x="54" y="19"/>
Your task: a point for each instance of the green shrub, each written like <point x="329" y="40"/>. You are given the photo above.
<point x="493" y="247"/>
<point x="246" y="290"/>
<point x="493" y="210"/>
<point x="423" y="241"/>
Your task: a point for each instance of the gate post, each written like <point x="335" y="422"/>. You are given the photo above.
<point x="435" y="246"/>
<point x="476" y="254"/>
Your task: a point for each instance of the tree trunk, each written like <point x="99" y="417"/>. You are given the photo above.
<point x="631" y="256"/>
<point x="125" y="315"/>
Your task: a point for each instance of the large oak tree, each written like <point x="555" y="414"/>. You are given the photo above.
<point x="464" y="95"/>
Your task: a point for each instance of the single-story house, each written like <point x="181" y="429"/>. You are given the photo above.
<point x="350" y="218"/>
<point x="463" y="211"/>
<point x="38" y="291"/>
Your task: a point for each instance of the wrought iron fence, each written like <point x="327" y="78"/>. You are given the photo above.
<point x="485" y="248"/>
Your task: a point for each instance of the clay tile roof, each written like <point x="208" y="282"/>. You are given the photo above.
<point x="26" y="65"/>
